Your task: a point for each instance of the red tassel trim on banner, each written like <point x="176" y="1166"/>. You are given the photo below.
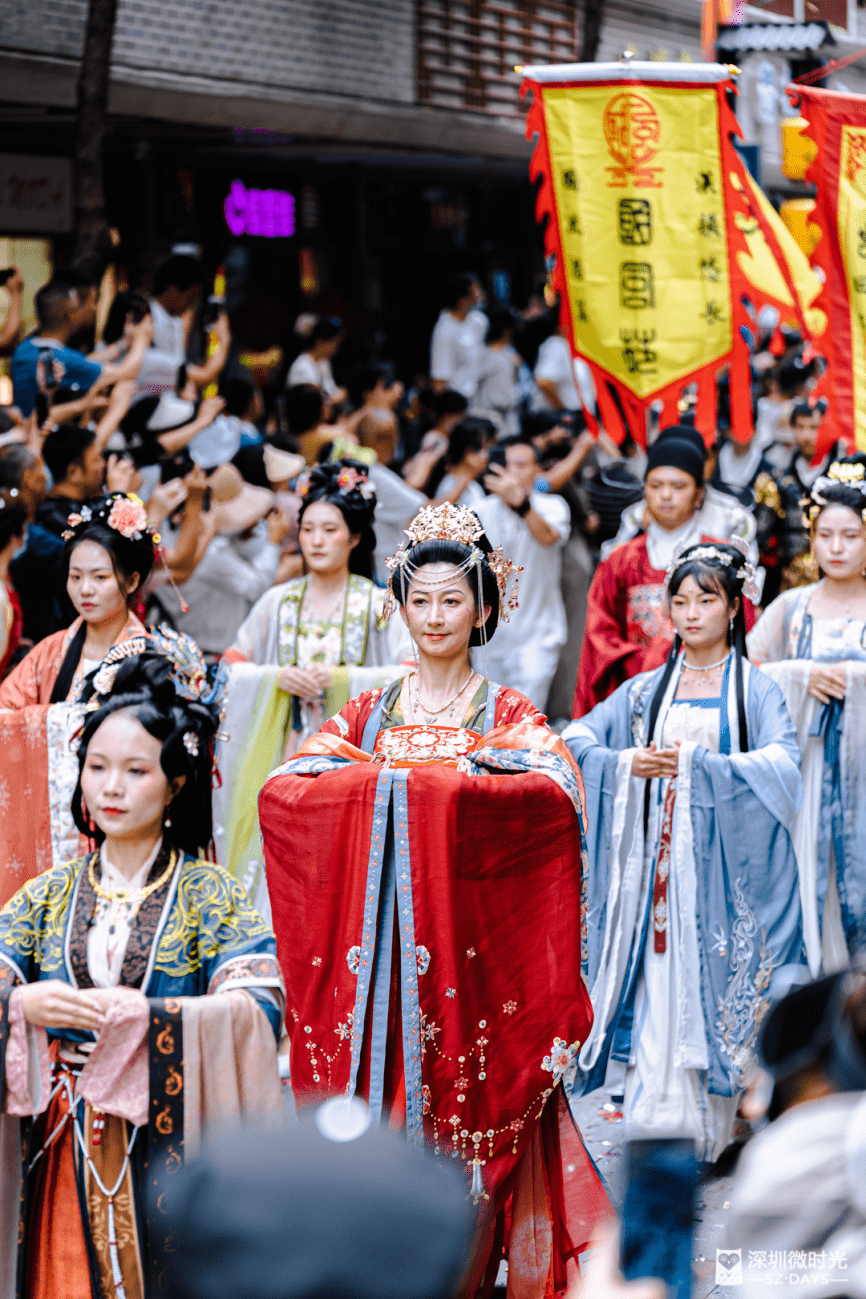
<point x="706" y="405"/>
<point x="608" y="410"/>
<point x="670" y="407"/>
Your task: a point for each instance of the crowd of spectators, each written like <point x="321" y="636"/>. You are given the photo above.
<point x="161" y="405"/>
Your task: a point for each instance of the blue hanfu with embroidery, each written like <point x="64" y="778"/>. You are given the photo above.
<point x="733" y="910"/>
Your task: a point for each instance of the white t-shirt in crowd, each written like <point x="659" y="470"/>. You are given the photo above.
<point x="306" y="369"/>
<point x="229" y="579"/>
<point x="396" y="506"/>
<point x="165" y="356"/>
<point x="540" y="616"/>
<point x="571" y="376"/>
<point x="497" y="394"/>
<point x="454" y="349"/>
<point x="168" y="334"/>
<point x="471" y="495"/>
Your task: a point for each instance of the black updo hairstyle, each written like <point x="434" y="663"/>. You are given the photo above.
<point x="444" y="551"/>
<point x="145" y="687"/>
<point x="359" y="511"/>
<point x="717" y="578"/>
<point x="820" y="499"/>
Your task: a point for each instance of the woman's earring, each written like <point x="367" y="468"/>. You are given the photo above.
<point x="167" y="822"/>
<point x="731" y="628"/>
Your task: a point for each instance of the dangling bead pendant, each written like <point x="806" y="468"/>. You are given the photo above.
<point x="98" y="1127"/>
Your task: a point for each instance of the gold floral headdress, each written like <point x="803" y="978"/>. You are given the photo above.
<point x="840" y="474"/>
<point x="455" y="523"/>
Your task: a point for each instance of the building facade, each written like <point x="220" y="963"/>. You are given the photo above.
<point x="343" y="156"/>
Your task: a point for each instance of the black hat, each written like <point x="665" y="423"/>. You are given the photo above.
<point x="295" y="1213"/>
<point x="685" y="432"/>
<point x="679" y="451"/>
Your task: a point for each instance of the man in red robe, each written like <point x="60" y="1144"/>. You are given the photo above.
<point x="628" y="629"/>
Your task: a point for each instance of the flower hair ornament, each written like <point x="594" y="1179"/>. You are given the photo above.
<point x="838" y="475"/>
<point x="350" y="479"/>
<point x="744" y="573"/>
<point x="454" y="523"/>
<point x="122" y="511"/>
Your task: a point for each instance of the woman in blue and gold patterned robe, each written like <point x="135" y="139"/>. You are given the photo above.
<point x="140" y="998"/>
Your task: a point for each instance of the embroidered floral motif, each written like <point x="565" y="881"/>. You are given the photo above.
<point x="451" y="992"/>
<point x="744" y="1005"/>
<point x="353" y="959"/>
<point x="423" y="957"/>
<point x="509" y="1007"/>
<point x="344" y="1031"/>
<point x="419" y="744"/>
<point x="426" y="1099"/>
<point x="470" y="952"/>
<point x="646" y="614"/>
<point x="429" y="1030"/>
<point x="562" y="1057"/>
<point x="317" y="960"/>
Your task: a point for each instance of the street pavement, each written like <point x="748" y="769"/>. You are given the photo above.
<point x="604" y="1137"/>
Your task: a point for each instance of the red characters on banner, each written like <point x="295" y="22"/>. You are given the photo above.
<point x="633" y="133"/>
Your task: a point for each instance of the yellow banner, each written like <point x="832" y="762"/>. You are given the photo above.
<point x="852" y="241"/>
<point x="639" y="193"/>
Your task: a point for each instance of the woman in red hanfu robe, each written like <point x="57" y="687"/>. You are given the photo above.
<point x="423" y="856"/>
<point x="108" y="555"/>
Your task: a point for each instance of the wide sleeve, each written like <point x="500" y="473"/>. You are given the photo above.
<point x="257" y="633"/>
<point x="237" y="949"/>
<point x="27" y="683"/>
<point x="767" y="642"/>
<point x="513" y="707"/>
<point x="20" y="929"/>
<point x="771" y="767"/>
<point x="602" y="745"/>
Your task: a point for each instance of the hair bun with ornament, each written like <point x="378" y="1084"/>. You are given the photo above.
<point x="161" y="679"/>
<point x="843" y="484"/>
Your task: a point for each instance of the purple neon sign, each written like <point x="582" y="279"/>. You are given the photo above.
<point x="266" y="212"/>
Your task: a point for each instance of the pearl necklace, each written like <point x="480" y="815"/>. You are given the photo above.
<point x="716" y="669"/>
<point x="430" y="714"/>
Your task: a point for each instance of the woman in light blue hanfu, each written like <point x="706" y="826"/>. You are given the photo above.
<point x="692" y="778"/>
<point x="812" y="643"/>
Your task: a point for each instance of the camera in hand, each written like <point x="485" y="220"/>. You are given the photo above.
<point x="46" y="356"/>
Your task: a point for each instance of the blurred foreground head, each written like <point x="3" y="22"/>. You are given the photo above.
<point x="326" y="1208"/>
